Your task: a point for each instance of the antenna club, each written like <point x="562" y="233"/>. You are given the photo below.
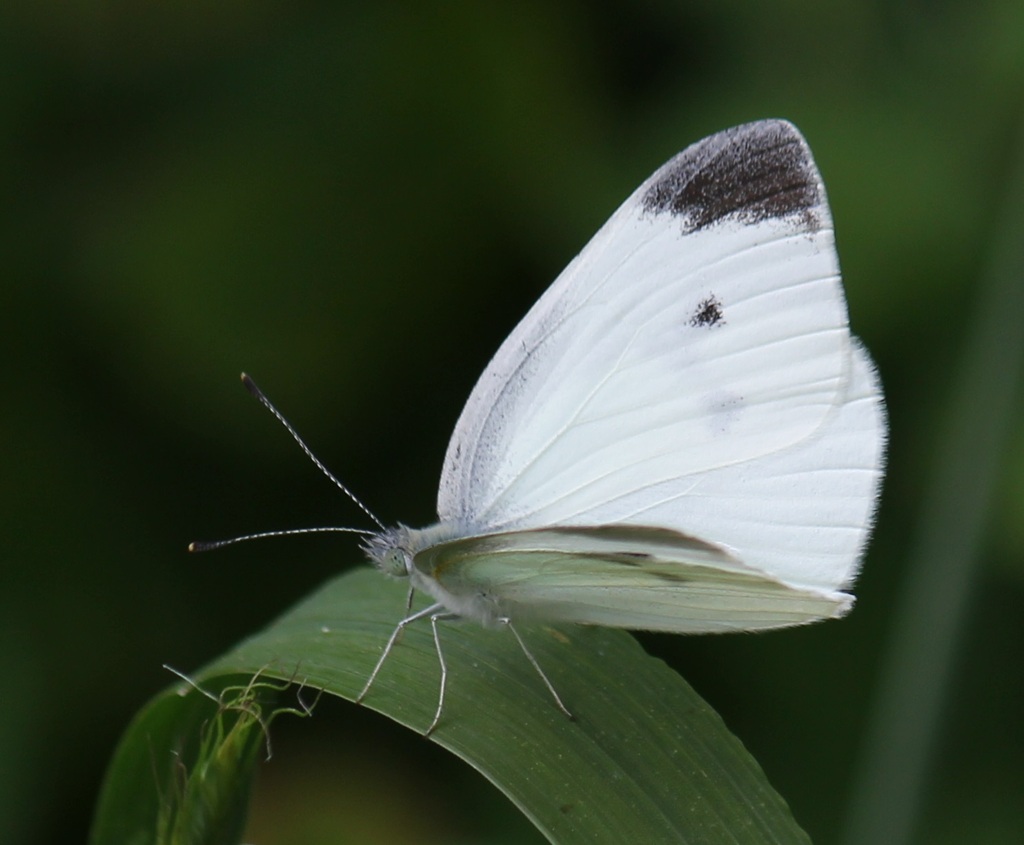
<point x="250" y="385"/>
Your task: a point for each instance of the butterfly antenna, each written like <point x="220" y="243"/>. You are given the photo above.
<point x="203" y="546"/>
<point x="250" y="385"/>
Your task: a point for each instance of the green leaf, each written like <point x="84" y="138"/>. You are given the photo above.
<point x="646" y="760"/>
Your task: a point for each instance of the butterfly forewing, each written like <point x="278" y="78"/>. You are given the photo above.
<point x="692" y="333"/>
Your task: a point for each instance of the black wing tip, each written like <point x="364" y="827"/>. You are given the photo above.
<point x="751" y="173"/>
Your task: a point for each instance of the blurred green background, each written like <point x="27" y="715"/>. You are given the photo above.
<point x="355" y="203"/>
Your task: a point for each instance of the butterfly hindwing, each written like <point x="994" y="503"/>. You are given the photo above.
<point x="617" y="576"/>
<point x="803" y="513"/>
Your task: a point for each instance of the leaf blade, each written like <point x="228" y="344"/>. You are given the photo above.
<point x="645" y="760"/>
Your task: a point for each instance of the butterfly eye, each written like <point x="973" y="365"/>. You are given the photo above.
<point x="393" y="563"/>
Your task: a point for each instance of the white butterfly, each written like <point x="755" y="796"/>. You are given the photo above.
<point x="681" y="435"/>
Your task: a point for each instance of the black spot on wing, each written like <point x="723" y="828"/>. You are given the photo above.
<point x="754" y="172"/>
<point x="708" y="313"/>
<point x="645" y="562"/>
<point x="672" y="577"/>
<point x="630" y="558"/>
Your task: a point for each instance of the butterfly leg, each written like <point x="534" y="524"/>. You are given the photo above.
<point x="533" y="662"/>
<point x="437" y="617"/>
<point x="427" y="611"/>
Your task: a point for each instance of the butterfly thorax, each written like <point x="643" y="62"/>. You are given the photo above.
<point x="394" y="552"/>
<point x="393" y="549"/>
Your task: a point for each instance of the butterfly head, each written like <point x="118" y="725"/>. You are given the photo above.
<point x="389" y="551"/>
